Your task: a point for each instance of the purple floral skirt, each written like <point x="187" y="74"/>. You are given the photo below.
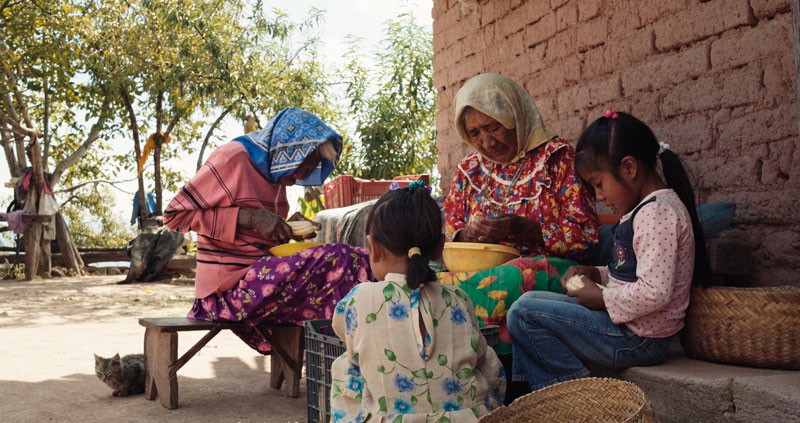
<point x="305" y="286"/>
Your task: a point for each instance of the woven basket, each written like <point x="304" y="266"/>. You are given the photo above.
<point x="751" y="326"/>
<point x="581" y="400"/>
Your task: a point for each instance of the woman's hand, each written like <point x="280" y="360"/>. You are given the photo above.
<point x="508" y="226"/>
<point x="265" y="222"/>
<point x="298" y="217"/>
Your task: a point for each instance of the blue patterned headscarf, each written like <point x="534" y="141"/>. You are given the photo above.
<point x="286" y="140"/>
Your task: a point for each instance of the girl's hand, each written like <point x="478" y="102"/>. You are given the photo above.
<point x="589" y="272"/>
<point x="590" y="296"/>
<point x="298" y="217"/>
<point x="269" y="224"/>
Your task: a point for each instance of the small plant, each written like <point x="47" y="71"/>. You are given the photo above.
<point x="311" y="203"/>
<point x="12" y="271"/>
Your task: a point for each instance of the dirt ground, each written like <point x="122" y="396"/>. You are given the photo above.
<point x="49" y="330"/>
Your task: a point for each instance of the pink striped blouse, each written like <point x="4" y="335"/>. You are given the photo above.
<point x="209" y="205"/>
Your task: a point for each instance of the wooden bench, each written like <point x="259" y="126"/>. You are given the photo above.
<point x="162" y="362"/>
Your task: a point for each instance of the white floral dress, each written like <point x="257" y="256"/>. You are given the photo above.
<point x="390" y="374"/>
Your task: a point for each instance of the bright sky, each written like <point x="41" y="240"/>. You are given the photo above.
<point x="362" y="18"/>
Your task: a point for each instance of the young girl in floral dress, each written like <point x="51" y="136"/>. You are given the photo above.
<point x="414" y="349"/>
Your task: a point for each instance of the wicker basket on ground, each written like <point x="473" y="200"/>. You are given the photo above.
<point x="750" y="326"/>
<point x="581" y="400"/>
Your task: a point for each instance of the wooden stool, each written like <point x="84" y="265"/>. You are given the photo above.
<point x="162" y="362"/>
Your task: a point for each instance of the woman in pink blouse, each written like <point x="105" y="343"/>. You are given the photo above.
<point x="236" y="203"/>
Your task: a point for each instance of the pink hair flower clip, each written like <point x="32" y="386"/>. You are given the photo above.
<point x="611" y="114"/>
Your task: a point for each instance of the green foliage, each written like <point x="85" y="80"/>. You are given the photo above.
<point x="395" y="125"/>
<point x="309" y="209"/>
<point x="108" y="230"/>
<point x="12" y="271"/>
<point x="185" y="63"/>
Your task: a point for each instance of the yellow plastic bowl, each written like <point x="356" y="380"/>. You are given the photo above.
<point x="473" y="256"/>
<point x="292" y="248"/>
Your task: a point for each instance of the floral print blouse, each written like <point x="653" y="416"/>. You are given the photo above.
<point x="389" y="373"/>
<point x="547" y="191"/>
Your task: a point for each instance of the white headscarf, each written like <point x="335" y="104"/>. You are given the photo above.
<point x="506" y="102"/>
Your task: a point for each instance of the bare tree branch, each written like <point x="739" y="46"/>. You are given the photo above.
<point x="12" y="85"/>
<point x="96" y="181"/>
<point x="208" y="135"/>
<point x="94" y="134"/>
<point x="11" y="159"/>
<point x="19" y="139"/>
<point x="16" y="127"/>
<point x="171" y="126"/>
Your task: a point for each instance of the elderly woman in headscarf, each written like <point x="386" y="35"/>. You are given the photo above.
<point x="237" y="205"/>
<point x="518" y="188"/>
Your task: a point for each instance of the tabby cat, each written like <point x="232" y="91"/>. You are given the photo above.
<point x="124" y="375"/>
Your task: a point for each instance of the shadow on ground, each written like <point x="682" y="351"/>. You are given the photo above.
<point x="51" y="329"/>
<point x="74" y="300"/>
<point x="237" y="393"/>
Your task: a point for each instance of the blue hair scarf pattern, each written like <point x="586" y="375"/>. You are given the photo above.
<point x="286" y="140"/>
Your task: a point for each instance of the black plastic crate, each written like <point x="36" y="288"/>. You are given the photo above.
<point x="322" y="347"/>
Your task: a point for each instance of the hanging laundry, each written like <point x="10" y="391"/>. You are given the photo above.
<point x="149" y="146"/>
<point x="14" y="219"/>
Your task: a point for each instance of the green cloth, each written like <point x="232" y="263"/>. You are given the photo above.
<point x="492" y="291"/>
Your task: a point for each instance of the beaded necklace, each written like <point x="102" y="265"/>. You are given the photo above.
<point x="493" y="210"/>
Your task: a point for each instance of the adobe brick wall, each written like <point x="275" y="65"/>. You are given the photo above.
<point x="714" y="79"/>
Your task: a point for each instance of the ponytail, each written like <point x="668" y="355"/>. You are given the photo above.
<point x="677" y="179"/>
<point x="419" y="271"/>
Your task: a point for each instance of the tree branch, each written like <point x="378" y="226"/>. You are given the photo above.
<point x="16" y="127"/>
<point x="95" y="181"/>
<point x="19" y="138"/>
<point x="208" y="135"/>
<point x="12" y="85"/>
<point x="11" y="159"/>
<point x="126" y="99"/>
<point x="171" y="126"/>
<point x="46" y="119"/>
<point x="94" y="134"/>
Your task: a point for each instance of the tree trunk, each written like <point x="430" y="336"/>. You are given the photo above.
<point x="65" y="244"/>
<point x="31" y="234"/>
<point x="135" y="129"/>
<point x="40" y="257"/>
<point x="46" y="122"/>
<point x="45" y="261"/>
<point x="157" y="165"/>
<point x="159" y="139"/>
<point x="796" y="39"/>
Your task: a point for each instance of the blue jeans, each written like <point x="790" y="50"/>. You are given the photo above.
<point x="552" y="336"/>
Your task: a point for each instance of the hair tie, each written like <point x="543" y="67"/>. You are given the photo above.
<point x="662" y="147"/>
<point x="419" y="183"/>
<point x="611" y="114"/>
<point x="414" y="251"/>
<point x="394" y="186"/>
